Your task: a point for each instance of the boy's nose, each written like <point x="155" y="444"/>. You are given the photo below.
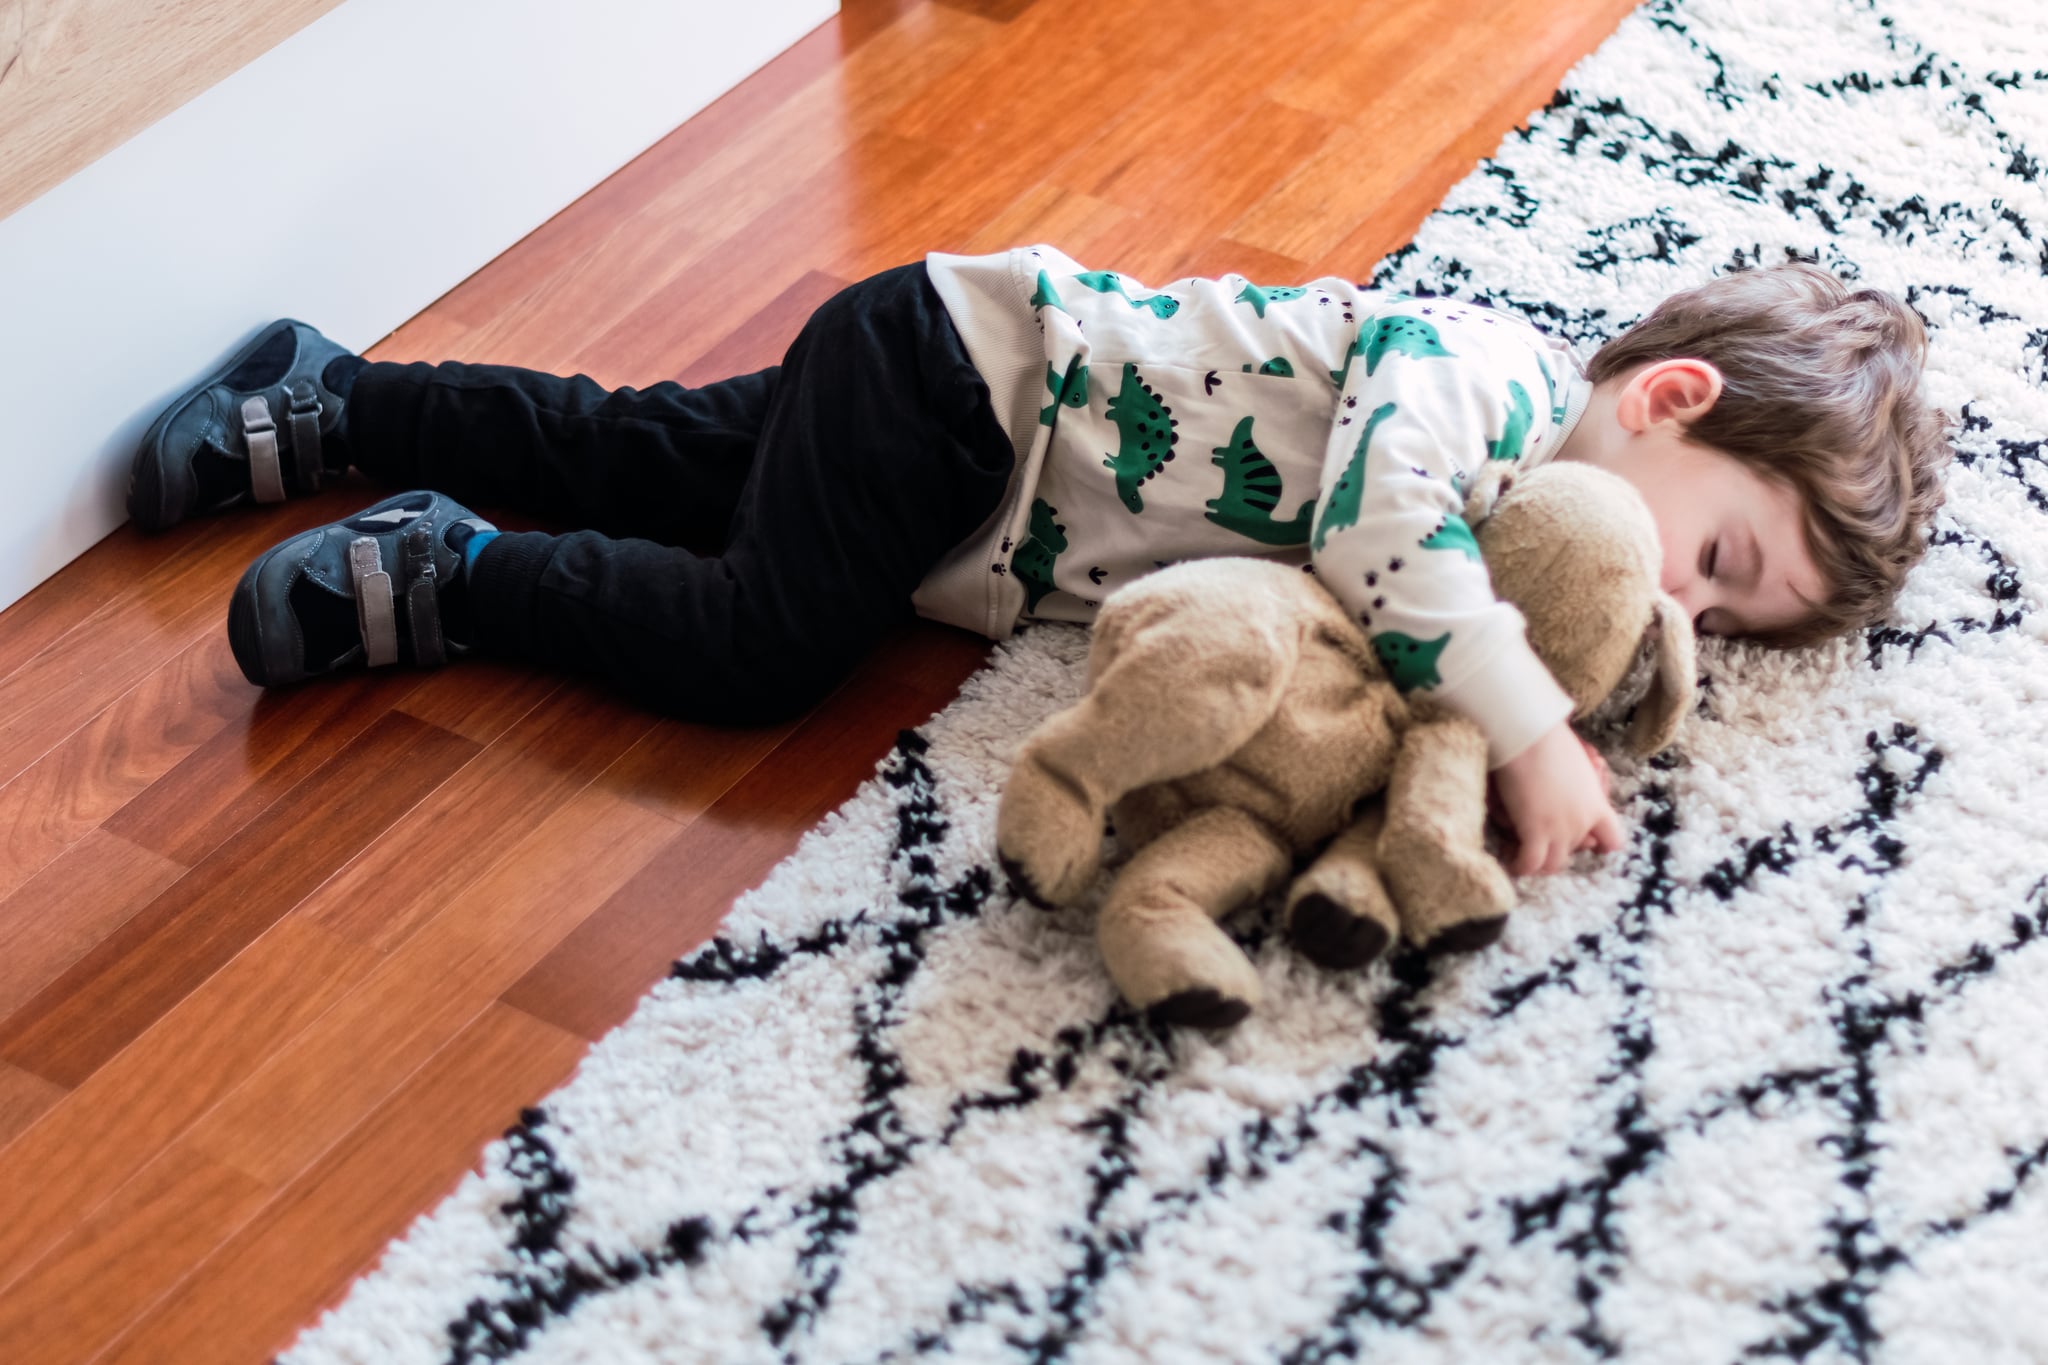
<point x="1693" y="596"/>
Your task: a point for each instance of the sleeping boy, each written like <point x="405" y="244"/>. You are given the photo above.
<point x="986" y="440"/>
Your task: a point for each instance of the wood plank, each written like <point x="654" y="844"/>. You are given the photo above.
<point x="202" y="920"/>
<point x="494" y="807"/>
<point x="115" y="756"/>
<point x="592" y="980"/>
<point x="1329" y="192"/>
<point x="108" y="572"/>
<point x="680" y="770"/>
<point x="81" y="898"/>
<point x="80" y="77"/>
<point x="1341" y="78"/>
<point x="863" y="19"/>
<point x="998" y="97"/>
<point x="820" y="216"/>
<point x="909" y="198"/>
<point x="342" y="1065"/>
<point x="1332" y="193"/>
<point x="278" y="739"/>
<point x="610" y="210"/>
<point x="1198" y="202"/>
<point x="750" y="196"/>
<point x="247" y="1300"/>
<point x="1400" y="214"/>
<point x="1222" y="256"/>
<point x="1002" y="11"/>
<point x="74" y="679"/>
<point x="179" y="602"/>
<point x="1046" y="212"/>
<point x="98" y="1136"/>
<point x="762" y="339"/>
<point x="123" y="1257"/>
<point x="482" y="699"/>
<point x="1143" y="151"/>
<point x="1223" y="176"/>
<point x="24" y="1098"/>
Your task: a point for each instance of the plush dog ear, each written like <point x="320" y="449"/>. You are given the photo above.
<point x="1671" y="690"/>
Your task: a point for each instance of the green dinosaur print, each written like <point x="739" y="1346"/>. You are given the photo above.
<point x="1340" y="509"/>
<point x="1557" y="409"/>
<point x="1145" y="436"/>
<point x="1452" y="534"/>
<point x="1409" y="336"/>
<point x="1047" y="296"/>
<point x="1032" y="563"/>
<point x="1410" y="662"/>
<point x="1251" y="490"/>
<point x="1277" y="365"/>
<point x="1106" y="282"/>
<point x="1521" y="412"/>
<point x="1259" y="296"/>
<point x="1070" y="388"/>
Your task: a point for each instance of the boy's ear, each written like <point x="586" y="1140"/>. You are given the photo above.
<point x="1671" y="690"/>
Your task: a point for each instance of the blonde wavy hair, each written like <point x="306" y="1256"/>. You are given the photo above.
<point x="1821" y="392"/>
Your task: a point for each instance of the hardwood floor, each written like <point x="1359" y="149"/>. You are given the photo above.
<point x="274" y="967"/>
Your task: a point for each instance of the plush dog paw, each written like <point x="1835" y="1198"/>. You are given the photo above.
<point x="1200" y="1007"/>
<point x="1332" y="936"/>
<point x="1467" y="937"/>
<point x="1048" y="837"/>
<point x="1458" y="905"/>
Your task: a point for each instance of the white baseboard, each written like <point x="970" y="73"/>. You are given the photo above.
<point x="349" y="176"/>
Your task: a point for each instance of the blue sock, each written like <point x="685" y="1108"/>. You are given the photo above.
<point x="467" y="538"/>
<point x="476" y="543"/>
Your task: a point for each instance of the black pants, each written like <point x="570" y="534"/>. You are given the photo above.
<point x="832" y="482"/>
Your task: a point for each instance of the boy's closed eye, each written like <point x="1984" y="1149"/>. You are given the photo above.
<point x="1710" y="562"/>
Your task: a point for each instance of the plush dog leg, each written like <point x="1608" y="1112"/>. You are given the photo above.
<point x="1165" y="700"/>
<point x="1158" y="927"/>
<point x="1452" y="894"/>
<point x="1338" y="912"/>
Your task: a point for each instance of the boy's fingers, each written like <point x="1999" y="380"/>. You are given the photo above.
<point x="1607" y="833"/>
<point x="1537" y="856"/>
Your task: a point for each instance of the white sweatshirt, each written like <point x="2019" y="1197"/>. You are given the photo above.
<point x="1323" y="424"/>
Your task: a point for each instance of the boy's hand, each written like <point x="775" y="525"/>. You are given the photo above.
<point x="1555" y="793"/>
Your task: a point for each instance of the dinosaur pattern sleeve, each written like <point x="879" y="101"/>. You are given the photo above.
<point x="1427" y="397"/>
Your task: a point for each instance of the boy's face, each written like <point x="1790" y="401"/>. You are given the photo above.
<point x="1735" y="553"/>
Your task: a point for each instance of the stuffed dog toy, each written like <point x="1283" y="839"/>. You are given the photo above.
<point x="1237" y="720"/>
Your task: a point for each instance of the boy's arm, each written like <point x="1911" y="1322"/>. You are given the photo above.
<point x="1419" y="413"/>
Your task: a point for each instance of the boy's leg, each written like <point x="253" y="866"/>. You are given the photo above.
<point x="664" y="462"/>
<point x="293" y="408"/>
<point x="879" y="451"/>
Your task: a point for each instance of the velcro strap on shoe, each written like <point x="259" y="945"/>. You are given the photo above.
<point x="422" y="601"/>
<point x="305" y="419"/>
<point x="266" y="478"/>
<point x="376" y="613"/>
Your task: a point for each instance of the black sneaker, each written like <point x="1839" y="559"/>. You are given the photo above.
<point x="380" y="587"/>
<point x="250" y="432"/>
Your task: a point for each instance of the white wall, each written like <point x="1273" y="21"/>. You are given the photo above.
<point x="349" y="177"/>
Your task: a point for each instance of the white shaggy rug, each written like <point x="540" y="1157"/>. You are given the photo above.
<point x="1771" y="1085"/>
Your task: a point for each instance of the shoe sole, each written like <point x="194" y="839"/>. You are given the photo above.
<point x="242" y="635"/>
<point x="145" y="476"/>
